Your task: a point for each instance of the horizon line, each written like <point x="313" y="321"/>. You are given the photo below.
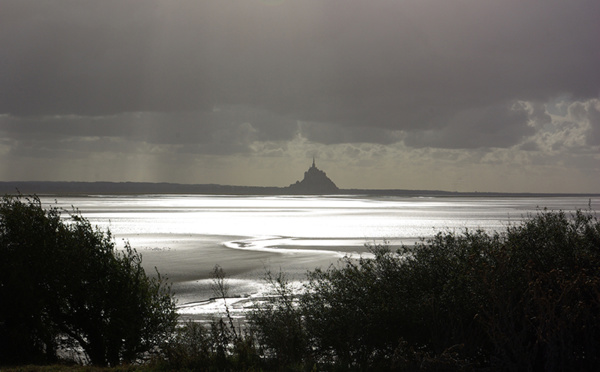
<point x="379" y="191"/>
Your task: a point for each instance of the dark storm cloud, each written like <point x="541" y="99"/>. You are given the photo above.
<point x="335" y="133"/>
<point x="496" y="126"/>
<point x="221" y="131"/>
<point x="445" y="72"/>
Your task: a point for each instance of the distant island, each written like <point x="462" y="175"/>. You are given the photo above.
<point x="315" y="182"/>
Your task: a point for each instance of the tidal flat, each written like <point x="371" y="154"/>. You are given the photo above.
<point x="185" y="236"/>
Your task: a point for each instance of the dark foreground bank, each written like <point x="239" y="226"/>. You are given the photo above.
<point x="527" y="298"/>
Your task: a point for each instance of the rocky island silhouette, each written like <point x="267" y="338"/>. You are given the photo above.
<point x="315" y="182"/>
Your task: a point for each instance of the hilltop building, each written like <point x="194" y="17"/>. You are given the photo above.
<point x="315" y="182"/>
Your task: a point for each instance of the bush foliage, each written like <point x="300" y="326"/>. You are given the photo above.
<point x="64" y="286"/>
<point x="527" y="298"/>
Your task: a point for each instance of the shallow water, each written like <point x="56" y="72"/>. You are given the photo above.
<point x="185" y="236"/>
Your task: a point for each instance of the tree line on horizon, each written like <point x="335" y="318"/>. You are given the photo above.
<point x="527" y="298"/>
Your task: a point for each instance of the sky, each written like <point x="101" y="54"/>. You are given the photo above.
<point x="456" y="95"/>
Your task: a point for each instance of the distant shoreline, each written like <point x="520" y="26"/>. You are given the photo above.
<point x="141" y="188"/>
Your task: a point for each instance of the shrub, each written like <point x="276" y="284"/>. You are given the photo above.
<point x="277" y="325"/>
<point x="216" y="346"/>
<point x="527" y="298"/>
<point x="63" y="284"/>
<point x="542" y="295"/>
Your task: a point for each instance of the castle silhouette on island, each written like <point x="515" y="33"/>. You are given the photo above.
<point x="315" y="182"/>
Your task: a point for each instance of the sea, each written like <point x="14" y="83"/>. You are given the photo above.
<point x="184" y="237"/>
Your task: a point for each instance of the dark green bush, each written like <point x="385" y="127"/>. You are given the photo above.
<point x="64" y="285"/>
<point x="543" y="299"/>
<point x="527" y="298"/>
<point x="278" y="327"/>
<point x="208" y="347"/>
<point x="216" y="346"/>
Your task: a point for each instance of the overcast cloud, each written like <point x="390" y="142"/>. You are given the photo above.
<point x="462" y="95"/>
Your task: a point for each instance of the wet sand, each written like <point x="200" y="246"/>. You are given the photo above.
<point x="188" y="261"/>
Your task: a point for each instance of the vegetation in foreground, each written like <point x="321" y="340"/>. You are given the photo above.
<point x="64" y="287"/>
<point x="527" y="298"/>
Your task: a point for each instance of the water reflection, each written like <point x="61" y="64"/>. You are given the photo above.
<point x="184" y="236"/>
